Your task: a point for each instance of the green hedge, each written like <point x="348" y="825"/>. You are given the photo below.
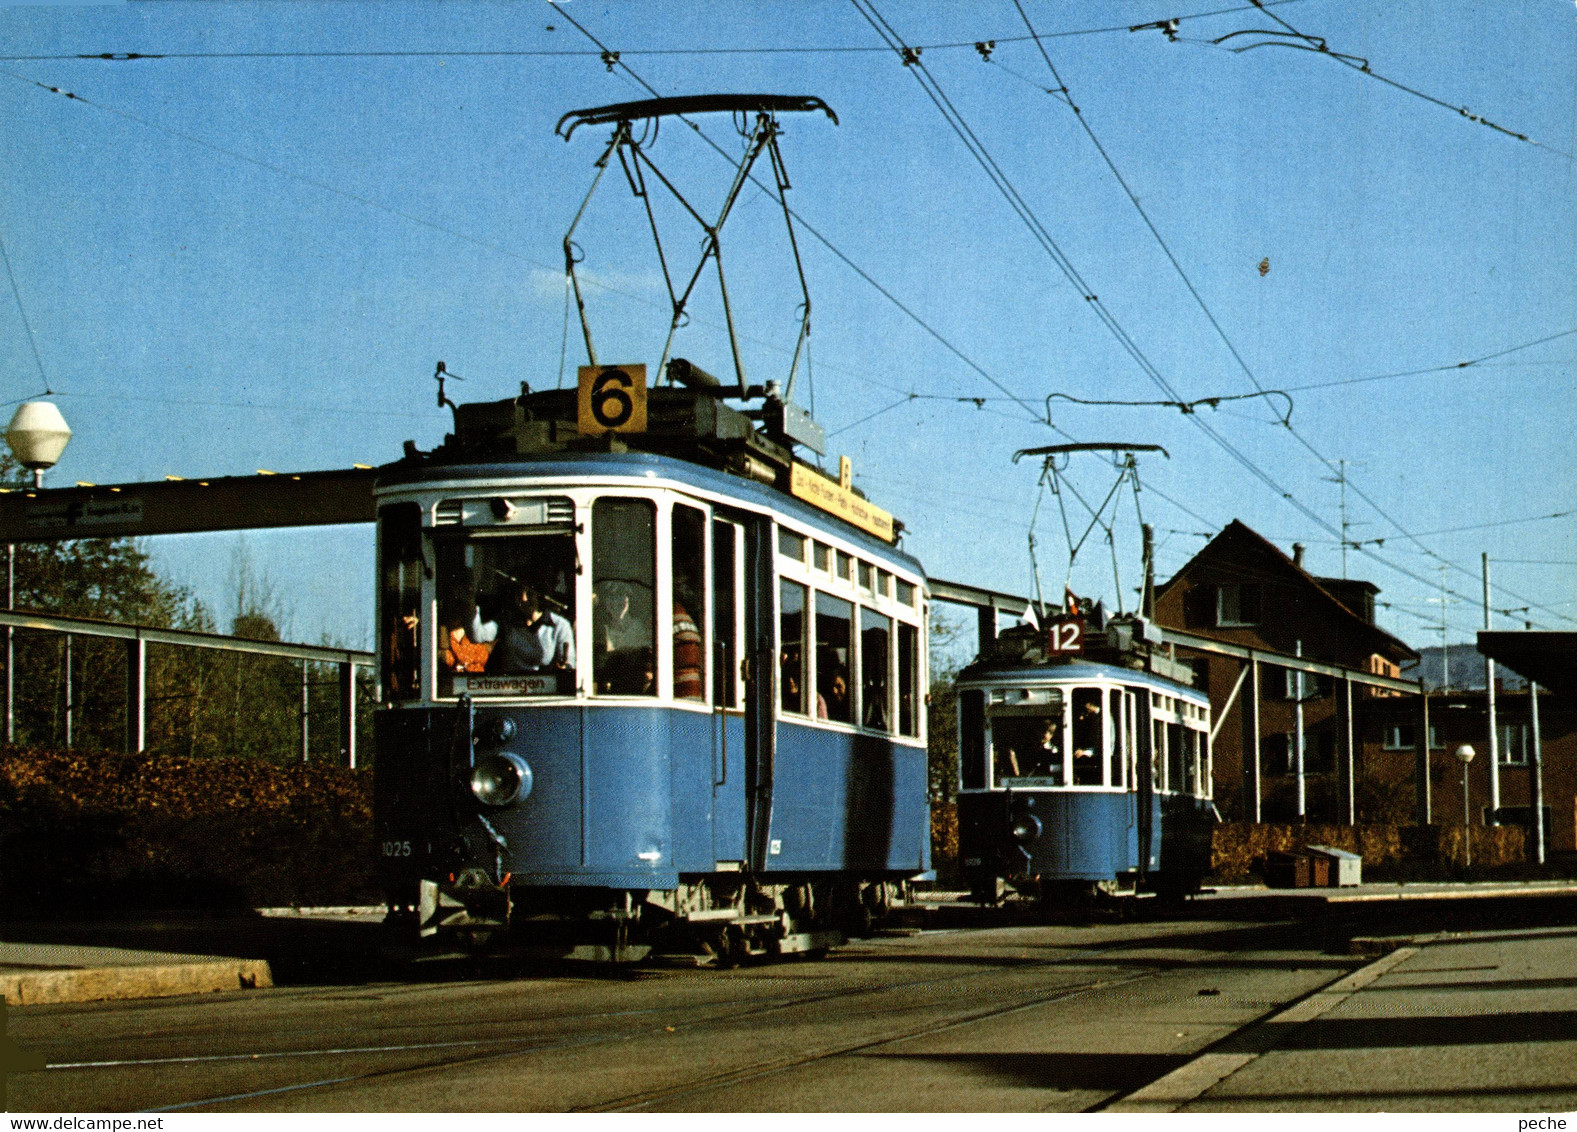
<point x="89" y="830"/>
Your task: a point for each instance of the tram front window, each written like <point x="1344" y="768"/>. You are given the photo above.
<point x="401" y="543"/>
<point x="1089" y="744"/>
<point x="1027" y="750"/>
<point x="506" y="609"/>
<point x="624" y="597"/>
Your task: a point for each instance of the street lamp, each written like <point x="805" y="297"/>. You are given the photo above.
<point x="37" y="436"/>
<point x="1465" y="752"/>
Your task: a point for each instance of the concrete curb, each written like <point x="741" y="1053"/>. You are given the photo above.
<point x="93" y="984"/>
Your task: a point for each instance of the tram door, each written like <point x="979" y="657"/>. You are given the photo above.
<point x="728" y="691"/>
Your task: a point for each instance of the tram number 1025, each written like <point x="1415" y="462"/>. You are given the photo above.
<point x="1065" y="638"/>
<point x="611" y="399"/>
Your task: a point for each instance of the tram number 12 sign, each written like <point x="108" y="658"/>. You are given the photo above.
<point x="1065" y="638"/>
<point x="611" y="399"/>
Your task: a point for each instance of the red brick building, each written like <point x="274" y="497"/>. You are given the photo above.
<point x="1243" y="590"/>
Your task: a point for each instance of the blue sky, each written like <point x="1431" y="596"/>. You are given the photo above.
<point x="231" y="262"/>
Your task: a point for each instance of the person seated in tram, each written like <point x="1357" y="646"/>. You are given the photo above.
<point x="832" y="702"/>
<point x="531" y="637"/>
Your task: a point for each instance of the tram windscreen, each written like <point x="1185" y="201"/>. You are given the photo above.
<point x="689" y="603"/>
<point x="971" y="740"/>
<point x="400" y="547"/>
<point x="506" y="611"/>
<point x="624" y="597"/>
<point x="1027" y="747"/>
<point x="1089" y="749"/>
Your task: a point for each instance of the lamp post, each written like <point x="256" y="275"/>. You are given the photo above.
<point x="1465" y="752"/>
<point x="37" y="436"/>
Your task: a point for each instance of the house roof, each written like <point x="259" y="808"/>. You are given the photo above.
<point x="1238" y="546"/>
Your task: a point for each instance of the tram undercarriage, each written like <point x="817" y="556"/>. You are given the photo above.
<point x="711" y="921"/>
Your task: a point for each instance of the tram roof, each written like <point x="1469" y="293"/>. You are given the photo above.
<point x="1073" y="672"/>
<point x="568" y="466"/>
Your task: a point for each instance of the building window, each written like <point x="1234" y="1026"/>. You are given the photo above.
<point x="1401" y="737"/>
<point x="1515" y="742"/>
<point x="1276" y="754"/>
<point x="1316" y="686"/>
<point x="1237" y="605"/>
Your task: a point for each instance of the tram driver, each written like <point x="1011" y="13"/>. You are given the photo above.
<point x="1029" y="748"/>
<point x="531" y="637"/>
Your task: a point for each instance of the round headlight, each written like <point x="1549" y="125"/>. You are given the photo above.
<point x="499" y="779"/>
<point x="1026" y="828"/>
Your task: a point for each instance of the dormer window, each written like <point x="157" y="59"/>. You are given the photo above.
<point x="1237" y="605"/>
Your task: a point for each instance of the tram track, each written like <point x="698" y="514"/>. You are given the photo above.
<point x="736" y="1012"/>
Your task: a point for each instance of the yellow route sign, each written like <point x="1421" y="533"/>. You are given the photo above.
<point x="816" y="489"/>
<point x="611" y="399"/>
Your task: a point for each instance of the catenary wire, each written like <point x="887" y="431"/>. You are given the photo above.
<point x="1216" y="325"/>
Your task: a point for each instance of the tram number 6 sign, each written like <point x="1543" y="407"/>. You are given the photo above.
<point x="611" y="399"/>
<point x="1065" y="638"/>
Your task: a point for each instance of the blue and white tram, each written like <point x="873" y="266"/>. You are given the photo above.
<point x="1081" y="775"/>
<point x="641" y="699"/>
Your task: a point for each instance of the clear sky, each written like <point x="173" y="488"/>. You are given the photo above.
<point x="251" y="256"/>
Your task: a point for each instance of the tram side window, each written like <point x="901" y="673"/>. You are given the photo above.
<point x="725" y="612"/>
<point x="401" y="543"/>
<point x="1190" y="761"/>
<point x="908" y="679"/>
<point x="876" y="634"/>
<point x="971" y="740"/>
<point x="1158" y="755"/>
<point x="1089" y="745"/>
<point x="791" y="545"/>
<point x="1175" y="780"/>
<point x="834" y="652"/>
<point x="1027" y="749"/>
<point x="689" y="603"/>
<point x="624" y="596"/>
<point x="791" y="634"/>
<point x="1117" y="756"/>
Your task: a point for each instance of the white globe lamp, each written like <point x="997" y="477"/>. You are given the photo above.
<point x="37" y="436"/>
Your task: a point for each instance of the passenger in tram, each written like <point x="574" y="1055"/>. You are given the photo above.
<point x="1029" y="749"/>
<point x="531" y="638"/>
<point x="832" y="702"/>
<point x="689" y="646"/>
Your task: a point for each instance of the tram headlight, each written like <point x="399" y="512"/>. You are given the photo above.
<point x="1026" y="828"/>
<point x="499" y="779"/>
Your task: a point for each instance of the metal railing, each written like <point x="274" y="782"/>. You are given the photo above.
<point x="137" y="638"/>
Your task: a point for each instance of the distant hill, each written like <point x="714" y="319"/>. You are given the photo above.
<point x="1466" y="670"/>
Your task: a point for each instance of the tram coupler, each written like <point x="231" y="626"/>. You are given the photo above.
<point x="470" y="905"/>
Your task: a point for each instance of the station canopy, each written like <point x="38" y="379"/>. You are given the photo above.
<point x="1548" y="659"/>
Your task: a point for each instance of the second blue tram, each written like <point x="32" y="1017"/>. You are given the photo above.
<point x="1085" y="774"/>
<point x="636" y="694"/>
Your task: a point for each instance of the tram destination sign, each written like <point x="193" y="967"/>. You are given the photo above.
<point x="816" y="489"/>
<point x="541" y="684"/>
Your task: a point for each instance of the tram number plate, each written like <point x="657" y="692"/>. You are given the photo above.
<point x="1065" y="638"/>
<point x="611" y="399"/>
<point x="543" y="685"/>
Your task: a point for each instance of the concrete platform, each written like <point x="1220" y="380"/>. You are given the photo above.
<point x="32" y="974"/>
